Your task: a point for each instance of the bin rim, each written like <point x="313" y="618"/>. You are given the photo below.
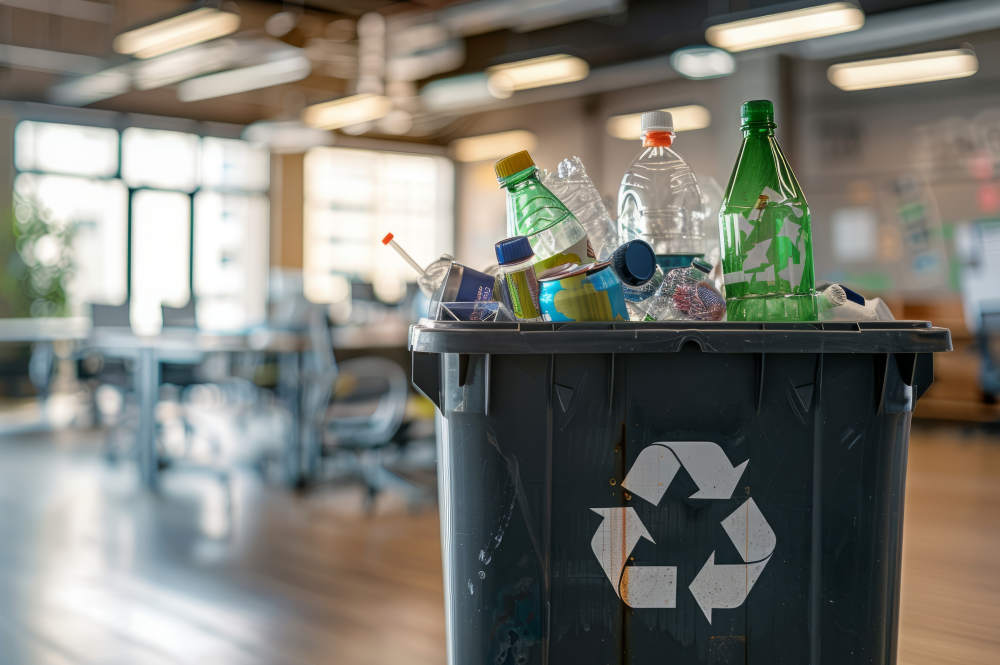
<point x="670" y="336"/>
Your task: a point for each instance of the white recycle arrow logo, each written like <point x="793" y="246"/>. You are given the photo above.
<point x="719" y="587"/>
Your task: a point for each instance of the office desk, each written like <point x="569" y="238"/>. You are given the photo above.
<point x="187" y="346"/>
<point x="44" y="329"/>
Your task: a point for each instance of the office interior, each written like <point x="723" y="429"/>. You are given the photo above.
<point x="211" y="449"/>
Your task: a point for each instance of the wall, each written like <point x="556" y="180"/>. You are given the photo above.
<point x="856" y="145"/>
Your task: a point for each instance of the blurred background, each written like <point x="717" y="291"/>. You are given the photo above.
<point x="210" y="448"/>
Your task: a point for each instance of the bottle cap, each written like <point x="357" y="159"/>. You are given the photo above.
<point x="512" y="164"/>
<point x="853" y="296"/>
<point x="657" y="121"/>
<point x="757" y="112"/>
<point x="634" y="262"/>
<point x="702" y="265"/>
<point x="513" y="250"/>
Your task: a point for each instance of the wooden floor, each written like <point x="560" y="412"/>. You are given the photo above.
<point x="95" y="571"/>
<point x="951" y="550"/>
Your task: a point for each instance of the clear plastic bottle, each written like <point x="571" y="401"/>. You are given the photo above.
<point x="659" y="200"/>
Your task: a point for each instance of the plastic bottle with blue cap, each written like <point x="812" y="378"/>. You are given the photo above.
<point x="519" y="284"/>
<point x="635" y="264"/>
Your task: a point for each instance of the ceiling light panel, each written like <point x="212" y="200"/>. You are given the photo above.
<point x="177" y="32"/>
<point x="536" y="73"/>
<point x="784" y="27"/>
<point x="686" y="119"/>
<point x="702" y="62"/>
<point x="492" y="146"/>
<point x="458" y="92"/>
<point x="264" y="75"/>
<point x="347" y="111"/>
<point x="904" y="70"/>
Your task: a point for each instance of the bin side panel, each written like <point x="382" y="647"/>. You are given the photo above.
<point x="498" y="483"/>
<point x="586" y="614"/>
<point x="863" y="467"/>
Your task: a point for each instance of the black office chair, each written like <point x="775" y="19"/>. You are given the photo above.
<point x="364" y="415"/>
<point x="987" y="337"/>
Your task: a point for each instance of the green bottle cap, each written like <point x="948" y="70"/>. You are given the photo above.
<point x="758" y="112"/>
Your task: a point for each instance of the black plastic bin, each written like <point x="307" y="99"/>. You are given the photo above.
<point x="670" y="492"/>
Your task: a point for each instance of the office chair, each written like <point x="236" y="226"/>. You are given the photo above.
<point x="365" y="412"/>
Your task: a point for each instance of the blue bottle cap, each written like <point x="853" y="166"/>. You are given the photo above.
<point x="853" y="296"/>
<point x="513" y="250"/>
<point x="634" y="262"/>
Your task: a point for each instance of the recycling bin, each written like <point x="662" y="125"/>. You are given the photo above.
<point x="672" y="492"/>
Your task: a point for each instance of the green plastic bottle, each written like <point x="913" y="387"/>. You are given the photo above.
<point x="555" y="235"/>
<point x="767" y="256"/>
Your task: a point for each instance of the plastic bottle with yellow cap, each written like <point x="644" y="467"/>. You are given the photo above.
<point x="556" y="237"/>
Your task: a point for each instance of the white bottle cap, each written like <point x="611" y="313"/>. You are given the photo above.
<point x="657" y="121"/>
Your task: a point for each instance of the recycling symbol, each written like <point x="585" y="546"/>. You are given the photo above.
<point x="715" y="587"/>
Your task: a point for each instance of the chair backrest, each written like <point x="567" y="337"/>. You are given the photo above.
<point x="320" y="368"/>
<point x="369" y="402"/>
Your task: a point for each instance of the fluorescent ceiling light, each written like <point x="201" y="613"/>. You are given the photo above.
<point x="492" y="146"/>
<point x="535" y="73"/>
<point x="347" y="111"/>
<point x="457" y="92"/>
<point x="255" y="77"/>
<point x="904" y="70"/>
<point x="176" y="32"/>
<point x="702" y="62"/>
<point x="89" y="89"/>
<point x="476" y="18"/>
<point x="286" y="136"/>
<point x="187" y="63"/>
<point x="41" y="60"/>
<point x="686" y="119"/>
<point x="790" y="26"/>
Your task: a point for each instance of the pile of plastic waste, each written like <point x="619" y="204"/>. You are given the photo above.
<point x="567" y="259"/>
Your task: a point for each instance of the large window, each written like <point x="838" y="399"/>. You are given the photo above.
<point x="72" y="173"/>
<point x="353" y="198"/>
<point x="97" y="211"/>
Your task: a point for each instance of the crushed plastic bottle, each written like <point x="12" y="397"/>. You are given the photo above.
<point x="575" y="189"/>
<point x="659" y="200"/>
<point x="687" y="295"/>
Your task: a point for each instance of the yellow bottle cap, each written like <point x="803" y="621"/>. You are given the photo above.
<point x="515" y="163"/>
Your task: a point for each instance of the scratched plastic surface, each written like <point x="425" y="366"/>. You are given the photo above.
<point x="594" y="513"/>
